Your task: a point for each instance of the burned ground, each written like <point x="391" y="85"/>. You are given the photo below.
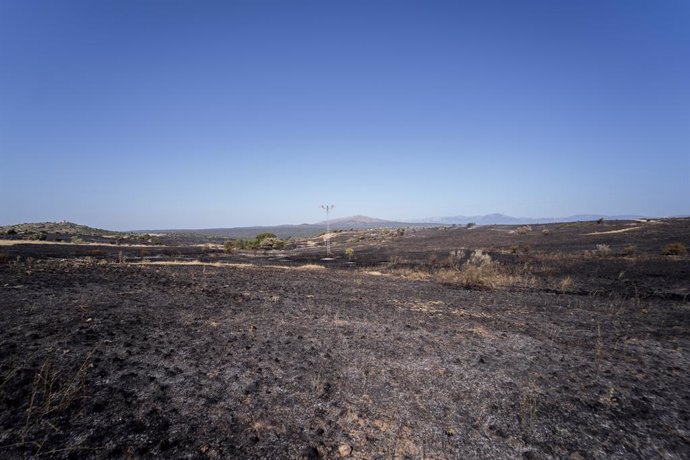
<point x="265" y="356"/>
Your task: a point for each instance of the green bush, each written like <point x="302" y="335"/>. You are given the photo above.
<point x="270" y="243"/>
<point x="264" y="240"/>
<point x="264" y="235"/>
<point x="246" y="244"/>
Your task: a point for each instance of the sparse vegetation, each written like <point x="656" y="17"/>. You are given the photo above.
<point x="523" y="230"/>
<point x="350" y="254"/>
<point x="230" y="245"/>
<point x="480" y="271"/>
<point x="674" y="249"/>
<point x="630" y="250"/>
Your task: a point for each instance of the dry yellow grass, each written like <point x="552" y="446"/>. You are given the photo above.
<point x="308" y="267"/>
<point x="192" y="263"/>
<point x="609" y="232"/>
<point x="198" y="263"/>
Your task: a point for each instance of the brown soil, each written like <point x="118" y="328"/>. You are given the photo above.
<point x="106" y="359"/>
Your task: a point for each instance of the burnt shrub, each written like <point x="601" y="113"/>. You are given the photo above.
<point x="674" y="249"/>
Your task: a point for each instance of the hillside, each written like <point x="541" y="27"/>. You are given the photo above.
<point x="65" y="229"/>
<point x="502" y="219"/>
<point x="286" y="231"/>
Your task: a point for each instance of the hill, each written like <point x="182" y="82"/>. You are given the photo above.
<point x="55" y="231"/>
<point x="285" y="231"/>
<point x="502" y="219"/>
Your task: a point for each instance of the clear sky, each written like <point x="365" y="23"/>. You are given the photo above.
<point x="191" y="114"/>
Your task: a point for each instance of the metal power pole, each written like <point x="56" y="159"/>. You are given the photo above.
<point x="327" y="208"/>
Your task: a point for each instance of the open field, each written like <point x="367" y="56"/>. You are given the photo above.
<point x="553" y="341"/>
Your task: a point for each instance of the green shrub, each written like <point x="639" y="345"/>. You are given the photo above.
<point x="264" y="240"/>
<point x="270" y="243"/>
<point x="674" y="249"/>
<point x="11" y="231"/>
<point x="245" y="244"/>
<point x="350" y="253"/>
<point x="264" y="235"/>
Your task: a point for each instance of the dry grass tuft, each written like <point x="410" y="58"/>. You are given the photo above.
<point x="480" y="271"/>
<point x="52" y="393"/>
<point x="602" y="250"/>
<point x="674" y="249"/>
<point x="409" y="273"/>
<point x="565" y="284"/>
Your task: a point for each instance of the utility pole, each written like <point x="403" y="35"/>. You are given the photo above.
<point x="327" y="208"/>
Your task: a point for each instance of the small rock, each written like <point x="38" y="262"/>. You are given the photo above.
<point x="576" y="456"/>
<point x="345" y="450"/>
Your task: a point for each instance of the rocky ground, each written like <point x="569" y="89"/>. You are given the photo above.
<point x="271" y="356"/>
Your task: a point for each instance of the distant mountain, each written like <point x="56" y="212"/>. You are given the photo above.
<point x="502" y="219"/>
<point x="362" y="222"/>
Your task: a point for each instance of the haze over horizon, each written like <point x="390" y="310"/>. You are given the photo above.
<point x="151" y="115"/>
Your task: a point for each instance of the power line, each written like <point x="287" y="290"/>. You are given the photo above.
<point x="328" y="208"/>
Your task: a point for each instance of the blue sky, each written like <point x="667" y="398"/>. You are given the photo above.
<point x="191" y="114"/>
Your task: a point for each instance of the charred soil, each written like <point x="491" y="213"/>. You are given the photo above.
<point x="264" y="356"/>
